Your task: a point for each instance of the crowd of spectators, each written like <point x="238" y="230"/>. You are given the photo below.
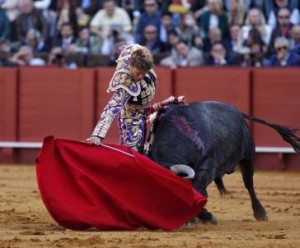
<point x="74" y="33"/>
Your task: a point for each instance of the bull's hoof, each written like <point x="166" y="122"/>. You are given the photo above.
<point x="207" y="217"/>
<point x="260" y="213"/>
<point x="213" y="221"/>
<point x="188" y="225"/>
<point x="191" y="224"/>
<point x="261" y="217"/>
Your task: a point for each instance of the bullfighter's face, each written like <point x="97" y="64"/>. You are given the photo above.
<point x="137" y="74"/>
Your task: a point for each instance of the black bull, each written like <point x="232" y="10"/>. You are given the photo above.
<point x="212" y="138"/>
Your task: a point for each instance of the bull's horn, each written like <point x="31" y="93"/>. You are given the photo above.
<point x="183" y="169"/>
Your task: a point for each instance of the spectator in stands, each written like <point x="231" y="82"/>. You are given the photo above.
<point x="254" y="56"/>
<point x="133" y="8"/>
<point x="110" y="18"/>
<point x="151" y="40"/>
<point x="236" y="11"/>
<point x="214" y="17"/>
<point x="113" y="56"/>
<point x="50" y="15"/>
<point x="188" y="29"/>
<point x="183" y="56"/>
<point x="87" y="43"/>
<point x="66" y="13"/>
<point x="12" y="8"/>
<point x="57" y="58"/>
<point x="34" y="40"/>
<point x="89" y="7"/>
<point x="115" y="34"/>
<point x="248" y="4"/>
<point x="254" y="37"/>
<point x="5" y="56"/>
<point x="53" y="5"/>
<point x="214" y="35"/>
<point x="151" y="15"/>
<point x="283" y="28"/>
<point x="235" y="40"/>
<point x="66" y="37"/>
<point x="173" y="39"/>
<point x="256" y="19"/>
<point x="25" y="57"/>
<point x="295" y="39"/>
<point x="273" y="7"/>
<point x="232" y="7"/>
<point x="29" y="18"/>
<point x="198" y="8"/>
<point x="166" y="25"/>
<point x="220" y="57"/>
<point x="4" y="25"/>
<point x="284" y="57"/>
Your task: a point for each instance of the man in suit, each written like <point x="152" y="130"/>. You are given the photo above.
<point x="219" y="56"/>
<point x="66" y="38"/>
<point x="183" y="56"/>
<point x="284" y="57"/>
<point x="30" y="18"/>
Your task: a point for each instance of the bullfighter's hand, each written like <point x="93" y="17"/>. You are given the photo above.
<point x="94" y="140"/>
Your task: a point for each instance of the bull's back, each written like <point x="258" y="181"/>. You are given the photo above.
<point x="213" y="119"/>
<point x="208" y="129"/>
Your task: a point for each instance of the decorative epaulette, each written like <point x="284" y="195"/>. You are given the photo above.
<point x="123" y="80"/>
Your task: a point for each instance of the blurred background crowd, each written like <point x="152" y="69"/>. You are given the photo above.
<point x="87" y="33"/>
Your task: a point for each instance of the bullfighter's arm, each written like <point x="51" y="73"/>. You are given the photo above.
<point x="114" y="106"/>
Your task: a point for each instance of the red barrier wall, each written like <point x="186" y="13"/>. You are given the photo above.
<point x="8" y="104"/>
<point x="8" y="110"/>
<point x="59" y="102"/>
<point x="276" y="99"/>
<point x="276" y="94"/>
<point x="228" y="85"/>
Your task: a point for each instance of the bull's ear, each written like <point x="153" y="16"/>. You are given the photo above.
<point x="183" y="171"/>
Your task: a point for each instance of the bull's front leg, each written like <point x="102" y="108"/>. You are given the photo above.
<point x="200" y="183"/>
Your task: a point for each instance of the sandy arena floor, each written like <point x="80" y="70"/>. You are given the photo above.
<point x="24" y="221"/>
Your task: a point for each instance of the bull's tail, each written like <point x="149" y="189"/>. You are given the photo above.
<point x="288" y="134"/>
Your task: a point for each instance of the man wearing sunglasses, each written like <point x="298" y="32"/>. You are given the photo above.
<point x="151" y="15"/>
<point x="283" y="28"/>
<point x="283" y="56"/>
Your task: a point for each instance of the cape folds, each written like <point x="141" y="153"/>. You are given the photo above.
<point x="85" y="186"/>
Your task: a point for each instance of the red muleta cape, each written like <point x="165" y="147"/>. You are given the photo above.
<point x="85" y="186"/>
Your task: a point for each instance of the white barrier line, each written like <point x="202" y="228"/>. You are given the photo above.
<point x="8" y="144"/>
<point x="263" y="149"/>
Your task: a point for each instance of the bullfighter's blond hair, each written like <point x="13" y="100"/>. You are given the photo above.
<point x="142" y="59"/>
